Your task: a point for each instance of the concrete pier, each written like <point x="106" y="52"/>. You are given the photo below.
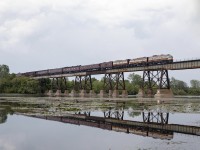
<point x="140" y="94"/>
<point x="83" y="93"/>
<point x="66" y="93"/>
<point x="50" y="93"/>
<point x="164" y="93"/>
<point x="74" y="93"/>
<point x="58" y="93"/>
<point x="115" y="94"/>
<point x="149" y="94"/>
<point x="92" y="93"/>
<point x="124" y="94"/>
<point x="110" y="93"/>
<point x="102" y="94"/>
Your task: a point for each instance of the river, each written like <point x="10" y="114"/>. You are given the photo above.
<point x="39" y="123"/>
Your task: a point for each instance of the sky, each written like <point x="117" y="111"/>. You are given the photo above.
<point x="43" y="34"/>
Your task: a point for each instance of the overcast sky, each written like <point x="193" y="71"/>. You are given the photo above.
<point x="41" y="34"/>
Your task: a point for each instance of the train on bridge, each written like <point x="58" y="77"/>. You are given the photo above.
<point x="137" y="62"/>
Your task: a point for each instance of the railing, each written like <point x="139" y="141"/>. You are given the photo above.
<point x="186" y="59"/>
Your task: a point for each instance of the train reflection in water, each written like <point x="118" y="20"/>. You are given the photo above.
<point x="154" y="124"/>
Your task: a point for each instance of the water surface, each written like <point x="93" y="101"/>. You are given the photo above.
<point x="55" y="123"/>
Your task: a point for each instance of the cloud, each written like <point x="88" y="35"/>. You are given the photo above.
<point x="46" y="34"/>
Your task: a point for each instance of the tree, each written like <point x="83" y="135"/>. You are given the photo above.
<point x="178" y="84"/>
<point x="97" y="85"/>
<point x="4" y="71"/>
<point x="23" y="85"/>
<point x="179" y="87"/>
<point x="133" y="84"/>
<point x="195" y="84"/>
<point x="135" y="79"/>
<point x="195" y="87"/>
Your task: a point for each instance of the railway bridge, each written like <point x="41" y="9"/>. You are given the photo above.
<point x="155" y="76"/>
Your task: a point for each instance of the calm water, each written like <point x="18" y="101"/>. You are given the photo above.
<point x="42" y="123"/>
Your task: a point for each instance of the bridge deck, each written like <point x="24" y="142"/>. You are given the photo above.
<point x="179" y="65"/>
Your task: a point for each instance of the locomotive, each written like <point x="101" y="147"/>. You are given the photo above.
<point x="137" y="62"/>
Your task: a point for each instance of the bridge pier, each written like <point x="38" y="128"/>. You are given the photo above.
<point x="115" y="94"/>
<point x="74" y="93"/>
<point x="66" y="93"/>
<point x="164" y="90"/>
<point x="148" y="84"/>
<point x="114" y="84"/>
<point x="164" y="93"/>
<point x="118" y="81"/>
<point x="58" y="93"/>
<point x="110" y="93"/>
<point x="50" y="93"/>
<point x="83" y="93"/>
<point x="155" y="81"/>
<point x="140" y="93"/>
<point x="92" y="93"/>
<point x="124" y="94"/>
<point x="107" y="87"/>
<point x="83" y="86"/>
<point x="102" y="94"/>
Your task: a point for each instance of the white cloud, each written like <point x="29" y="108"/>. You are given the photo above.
<point x="13" y="32"/>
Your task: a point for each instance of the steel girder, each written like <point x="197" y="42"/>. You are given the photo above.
<point x="114" y="81"/>
<point x="117" y="114"/>
<point x="156" y="117"/>
<point x="83" y="83"/>
<point x="155" y="80"/>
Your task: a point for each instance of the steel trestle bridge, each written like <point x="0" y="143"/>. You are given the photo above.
<point x="154" y="76"/>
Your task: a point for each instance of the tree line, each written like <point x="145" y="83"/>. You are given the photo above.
<point x="11" y="83"/>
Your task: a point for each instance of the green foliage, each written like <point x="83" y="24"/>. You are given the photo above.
<point x="135" y="79"/>
<point x="133" y="84"/>
<point x="179" y="87"/>
<point x="44" y="85"/>
<point x="97" y="85"/>
<point x="70" y="85"/>
<point x="4" y="71"/>
<point x="23" y="85"/>
<point x="195" y="87"/>
<point x="131" y="88"/>
<point x="178" y="84"/>
<point x="194" y="91"/>
<point x="195" y="84"/>
<point x="9" y="83"/>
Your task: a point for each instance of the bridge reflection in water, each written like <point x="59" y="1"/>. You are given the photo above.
<point x="154" y="124"/>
